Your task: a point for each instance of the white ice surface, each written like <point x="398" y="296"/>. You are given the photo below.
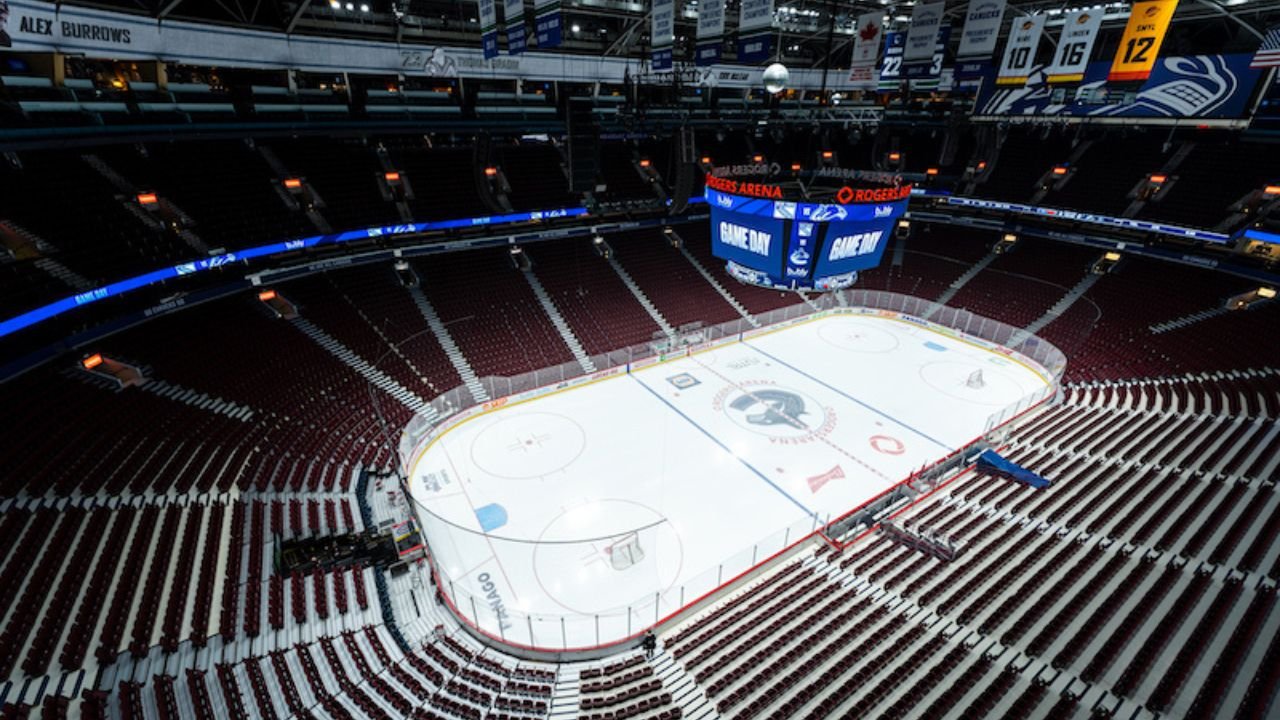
<point x="694" y="469"/>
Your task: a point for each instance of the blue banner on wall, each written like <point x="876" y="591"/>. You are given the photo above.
<point x="754" y="48"/>
<point x="1193" y="86"/>
<point x="547" y="23"/>
<point x="516" y="42"/>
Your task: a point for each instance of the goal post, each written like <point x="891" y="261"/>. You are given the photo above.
<point x="975" y="380"/>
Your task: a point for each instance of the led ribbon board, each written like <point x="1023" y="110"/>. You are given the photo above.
<point x="771" y="240"/>
<point x="72" y="302"/>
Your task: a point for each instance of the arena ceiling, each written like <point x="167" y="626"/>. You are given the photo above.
<point x="807" y="35"/>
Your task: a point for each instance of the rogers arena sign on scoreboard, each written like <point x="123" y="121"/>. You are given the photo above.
<point x="801" y="245"/>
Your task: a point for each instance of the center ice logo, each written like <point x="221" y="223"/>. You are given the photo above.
<point x="771" y="407"/>
<point x="785" y="416"/>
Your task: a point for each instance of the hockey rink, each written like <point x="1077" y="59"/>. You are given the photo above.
<point x="579" y="517"/>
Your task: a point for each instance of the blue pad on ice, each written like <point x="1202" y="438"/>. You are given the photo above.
<point x="491" y="517"/>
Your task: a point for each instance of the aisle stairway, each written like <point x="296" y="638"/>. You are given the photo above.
<point x="724" y="292"/>
<point x="575" y="346"/>
<point x="456" y="358"/>
<point x="643" y="299"/>
<point x="960" y="282"/>
<point x="375" y="376"/>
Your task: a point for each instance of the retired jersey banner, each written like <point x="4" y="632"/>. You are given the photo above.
<point x="663" y="33"/>
<point x="891" y="61"/>
<point x="546" y="21"/>
<point x="514" y="18"/>
<point x="710" y="31"/>
<point x="1075" y="46"/>
<point x="981" y="29"/>
<point x="755" y="19"/>
<point x="922" y="33"/>
<point x="1140" y="44"/>
<point x="924" y="76"/>
<point x="489" y="28"/>
<point x="1020" y="50"/>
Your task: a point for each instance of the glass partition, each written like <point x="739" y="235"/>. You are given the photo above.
<point x="481" y="595"/>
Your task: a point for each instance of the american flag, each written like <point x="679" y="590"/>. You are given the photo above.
<point x="1269" y="54"/>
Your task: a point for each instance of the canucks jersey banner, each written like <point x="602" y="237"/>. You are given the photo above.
<point x="981" y="29"/>
<point x="489" y="28"/>
<point x="1074" y="47"/>
<point x="1020" y="52"/>
<point x="755" y="19"/>
<point x="516" y="40"/>
<point x="663" y="33"/>
<point x="710" y="31"/>
<point x="1140" y="44"/>
<point x="922" y="76"/>
<point x="922" y="33"/>
<point x="1190" y="86"/>
<point x="546" y="19"/>
<point x="891" y="62"/>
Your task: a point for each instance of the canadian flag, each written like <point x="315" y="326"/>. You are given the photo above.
<point x="817" y="481"/>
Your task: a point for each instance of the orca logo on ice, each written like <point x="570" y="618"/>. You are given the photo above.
<point x="785" y="416"/>
<point x="771" y="407"/>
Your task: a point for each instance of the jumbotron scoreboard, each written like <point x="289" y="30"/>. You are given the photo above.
<point x="806" y="231"/>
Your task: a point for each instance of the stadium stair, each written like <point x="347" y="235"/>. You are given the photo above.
<point x="375" y="376"/>
<point x="960" y="282"/>
<point x="575" y="346"/>
<point x="21" y="244"/>
<point x="686" y="693"/>
<point x="724" y="292"/>
<point x="1057" y="309"/>
<point x="643" y="299"/>
<point x="1185" y="320"/>
<point x="55" y="269"/>
<point x="456" y="358"/>
<point x="198" y="399"/>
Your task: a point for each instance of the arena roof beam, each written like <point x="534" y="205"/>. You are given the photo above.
<point x="168" y="8"/>
<point x="1218" y="8"/>
<point x="297" y="15"/>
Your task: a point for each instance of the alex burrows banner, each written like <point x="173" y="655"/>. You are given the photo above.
<point x="663" y="33"/>
<point x="1079" y="30"/>
<point x="1020" y="50"/>
<point x="981" y="29"/>
<point x="513" y="18"/>
<point x="922" y="33"/>
<point x="547" y="23"/>
<point x="488" y="28"/>
<point x="40" y="27"/>
<point x="755" y="21"/>
<point x="1191" y="86"/>
<point x="866" y="48"/>
<point x="710" y="31"/>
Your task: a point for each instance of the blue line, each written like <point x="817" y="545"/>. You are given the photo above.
<point x="724" y="447"/>
<point x="847" y="396"/>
